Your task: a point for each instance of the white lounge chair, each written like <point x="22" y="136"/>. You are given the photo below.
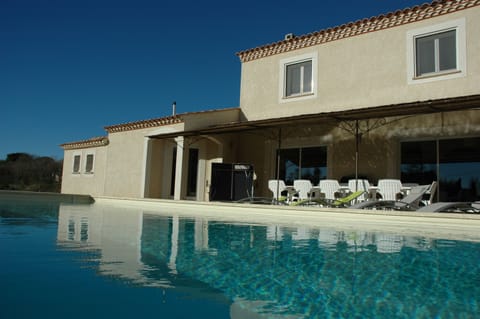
<point x="452" y="207"/>
<point x="410" y="202"/>
<point x="431" y="192"/>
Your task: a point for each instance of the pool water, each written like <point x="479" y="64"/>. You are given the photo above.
<point x="92" y="261"/>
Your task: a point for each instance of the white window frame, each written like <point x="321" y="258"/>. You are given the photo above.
<point x="79" y="171"/>
<point x="461" y="65"/>
<point x="92" y="153"/>
<point x="283" y="98"/>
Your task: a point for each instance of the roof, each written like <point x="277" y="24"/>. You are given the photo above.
<point x="92" y="142"/>
<point x="161" y="121"/>
<point x="144" y="124"/>
<point x="381" y="22"/>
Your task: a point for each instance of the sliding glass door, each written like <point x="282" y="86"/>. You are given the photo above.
<point x="455" y="163"/>
<point x="303" y="163"/>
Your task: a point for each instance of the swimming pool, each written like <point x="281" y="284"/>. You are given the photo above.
<point x="101" y="260"/>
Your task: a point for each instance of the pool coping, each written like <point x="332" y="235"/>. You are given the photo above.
<point x="48" y="196"/>
<point x="446" y="225"/>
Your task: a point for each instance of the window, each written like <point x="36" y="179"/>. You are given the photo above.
<point x="303" y="163"/>
<point x="76" y="164"/>
<point x="89" y="164"/>
<point x="298" y="77"/>
<point x="436" y="52"/>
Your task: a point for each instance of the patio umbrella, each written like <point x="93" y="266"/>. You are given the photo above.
<point x="357" y="128"/>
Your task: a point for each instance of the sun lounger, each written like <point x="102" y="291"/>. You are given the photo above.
<point x="452" y="207"/>
<point x="347" y="200"/>
<point x="338" y="203"/>
<point x="409" y="202"/>
<point x="359" y="185"/>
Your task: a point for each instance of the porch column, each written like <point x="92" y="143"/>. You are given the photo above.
<point x="180" y="169"/>
<point x="147" y="158"/>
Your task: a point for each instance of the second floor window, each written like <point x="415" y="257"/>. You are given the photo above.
<point x="436" y="53"/>
<point x="298" y="78"/>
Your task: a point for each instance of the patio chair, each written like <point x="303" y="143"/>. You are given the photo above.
<point x="359" y="185"/>
<point x="389" y="189"/>
<point x="410" y="202"/>
<point x="279" y="186"/>
<point x="331" y="188"/>
<point x="303" y="188"/>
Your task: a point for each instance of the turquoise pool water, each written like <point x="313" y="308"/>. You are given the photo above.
<point x="100" y="261"/>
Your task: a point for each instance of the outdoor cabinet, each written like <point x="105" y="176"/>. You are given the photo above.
<point x="231" y="182"/>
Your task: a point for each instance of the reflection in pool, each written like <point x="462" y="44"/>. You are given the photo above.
<point x="165" y="265"/>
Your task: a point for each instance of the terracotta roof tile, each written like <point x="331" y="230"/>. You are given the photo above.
<point x="168" y="120"/>
<point x="143" y="124"/>
<point x="92" y="142"/>
<point x="383" y="21"/>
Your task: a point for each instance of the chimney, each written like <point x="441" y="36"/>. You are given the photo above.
<point x="174" y="108"/>
<point x="289" y="36"/>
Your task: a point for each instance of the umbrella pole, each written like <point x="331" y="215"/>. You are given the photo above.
<point x="278" y="162"/>
<point x="357" y="141"/>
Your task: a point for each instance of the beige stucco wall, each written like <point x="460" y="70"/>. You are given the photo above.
<point x="357" y="72"/>
<point x="84" y="183"/>
<point x="127" y="160"/>
<point x="201" y="120"/>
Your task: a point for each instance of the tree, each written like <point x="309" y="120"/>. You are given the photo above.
<point x="22" y="171"/>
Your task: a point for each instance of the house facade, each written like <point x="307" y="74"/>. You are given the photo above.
<point x="393" y="96"/>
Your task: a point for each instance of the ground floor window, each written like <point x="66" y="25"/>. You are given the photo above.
<point x="302" y="163"/>
<point x="89" y="164"/>
<point x="76" y="164"/>
<point x="454" y="163"/>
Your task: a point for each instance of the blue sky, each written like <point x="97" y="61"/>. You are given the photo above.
<point x="69" y="68"/>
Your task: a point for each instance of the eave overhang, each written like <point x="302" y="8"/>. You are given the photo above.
<point x="393" y="110"/>
<point x="92" y="142"/>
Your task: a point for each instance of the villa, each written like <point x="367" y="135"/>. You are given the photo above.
<point x="393" y="96"/>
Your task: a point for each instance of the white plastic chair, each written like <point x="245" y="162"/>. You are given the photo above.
<point x="389" y="188"/>
<point x="303" y="187"/>
<point x="359" y="185"/>
<point x="272" y="186"/>
<point x="329" y="187"/>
